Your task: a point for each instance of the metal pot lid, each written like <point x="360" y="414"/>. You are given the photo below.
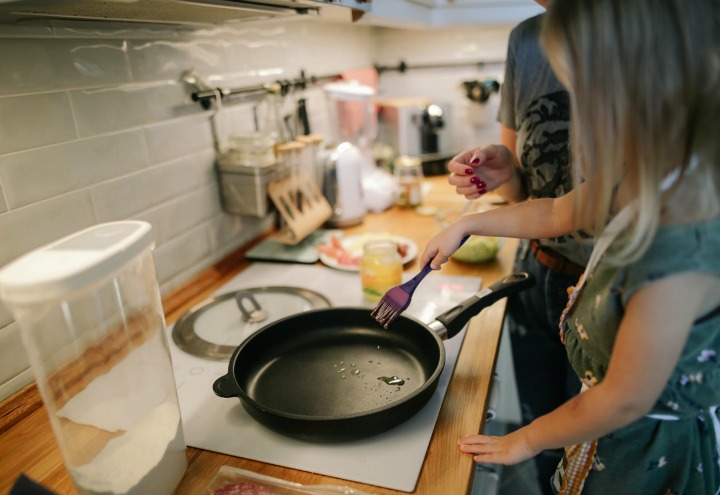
<point x="214" y="328"/>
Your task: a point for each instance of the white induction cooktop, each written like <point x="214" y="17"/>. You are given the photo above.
<point x="392" y="459"/>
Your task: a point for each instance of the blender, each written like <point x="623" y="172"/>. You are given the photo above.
<point x="352" y="182"/>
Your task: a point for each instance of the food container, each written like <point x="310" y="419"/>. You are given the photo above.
<point x="92" y="322"/>
<point x="381" y="269"/>
<point x="409" y="173"/>
<point x="244" y="171"/>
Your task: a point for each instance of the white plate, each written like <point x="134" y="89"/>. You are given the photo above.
<point x="355" y="243"/>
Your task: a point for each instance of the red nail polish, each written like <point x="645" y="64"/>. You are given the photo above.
<point x="481" y="184"/>
<point x="475" y="161"/>
<point x="475" y="180"/>
<point x="481" y="187"/>
<point x="469" y="171"/>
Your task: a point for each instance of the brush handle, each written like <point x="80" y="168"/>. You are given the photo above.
<point x="412" y="284"/>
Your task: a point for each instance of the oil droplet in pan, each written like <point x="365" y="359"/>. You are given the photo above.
<point x="392" y="380"/>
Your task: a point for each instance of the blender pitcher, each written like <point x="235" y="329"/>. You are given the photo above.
<point x="352" y="113"/>
<point x="353" y="120"/>
<point x="92" y="322"/>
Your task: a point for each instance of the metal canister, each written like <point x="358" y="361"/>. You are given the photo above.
<point x="381" y="269"/>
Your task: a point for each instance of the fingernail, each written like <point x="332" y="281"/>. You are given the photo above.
<point x="469" y="171"/>
<point x="481" y="184"/>
<point x="481" y="189"/>
<point x="475" y="161"/>
<point x="476" y="180"/>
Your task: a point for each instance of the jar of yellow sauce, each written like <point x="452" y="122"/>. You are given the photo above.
<point x="381" y="269"/>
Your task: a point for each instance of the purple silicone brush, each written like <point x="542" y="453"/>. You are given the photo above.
<point x="397" y="299"/>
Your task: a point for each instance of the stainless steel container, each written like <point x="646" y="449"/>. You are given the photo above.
<point x="244" y="172"/>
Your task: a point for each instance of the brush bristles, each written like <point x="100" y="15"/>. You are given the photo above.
<point x="386" y="311"/>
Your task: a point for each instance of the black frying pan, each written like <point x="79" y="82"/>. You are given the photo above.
<point x="336" y="374"/>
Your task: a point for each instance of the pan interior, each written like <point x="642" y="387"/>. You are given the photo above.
<point x="337" y="369"/>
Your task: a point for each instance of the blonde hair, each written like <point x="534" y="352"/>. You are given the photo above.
<point x="644" y="82"/>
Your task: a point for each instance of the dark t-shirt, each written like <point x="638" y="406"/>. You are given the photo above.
<point x="537" y="106"/>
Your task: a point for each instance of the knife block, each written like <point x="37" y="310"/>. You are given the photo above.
<point x="301" y="205"/>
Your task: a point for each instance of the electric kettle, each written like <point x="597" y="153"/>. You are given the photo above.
<point x="342" y="185"/>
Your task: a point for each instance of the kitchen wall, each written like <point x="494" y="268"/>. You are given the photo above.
<point x="467" y="54"/>
<point x="97" y="125"/>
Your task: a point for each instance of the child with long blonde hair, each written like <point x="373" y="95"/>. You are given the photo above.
<point x="642" y="328"/>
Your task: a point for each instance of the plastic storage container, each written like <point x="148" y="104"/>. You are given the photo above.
<point x="91" y="319"/>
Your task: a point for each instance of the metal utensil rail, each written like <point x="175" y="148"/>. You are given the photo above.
<point x="207" y="96"/>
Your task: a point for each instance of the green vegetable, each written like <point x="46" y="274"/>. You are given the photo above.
<point x="477" y="249"/>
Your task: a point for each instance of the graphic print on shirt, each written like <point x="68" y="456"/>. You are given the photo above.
<point x="544" y="134"/>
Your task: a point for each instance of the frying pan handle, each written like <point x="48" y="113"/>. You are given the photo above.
<point x="456" y="318"/>
<point x="225" y="386"/>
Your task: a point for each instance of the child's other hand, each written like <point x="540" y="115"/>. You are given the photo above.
<point x="508" y="449"/>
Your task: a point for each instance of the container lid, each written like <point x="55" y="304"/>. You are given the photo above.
<point x="232" y="163"/>
<point x="214" y="328"/>
<point x="253" y="141"/>
<point x="73" y="262"/>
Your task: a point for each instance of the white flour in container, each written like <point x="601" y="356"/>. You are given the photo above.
<point x="148" y="459"/>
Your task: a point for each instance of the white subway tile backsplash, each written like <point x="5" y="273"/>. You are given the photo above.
<point x="3" y="203"/>
<point x="179" y="138"/>
<point x="35" y="120"/>
<point x="62" y="64"/>
<point x="35" y="225"/>
<point x="16" y="383"/>
<point x="13" y="357"/>
<point x="188" y="250"/>
<point x="465" y="44"/>
<point x="353" y="48"/>
<point x="168" y="59"/>
<point x="180" y="215"/>
<point x="235" y="119"/>
<point x="204" y="164"/>
<point x="38" y="174"/>
<point x="132" y="194"/>
<point x="104" y="110"/>
<point x="5" y="316"/>
<point x="227" y="232"/>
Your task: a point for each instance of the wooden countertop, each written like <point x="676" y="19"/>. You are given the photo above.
<point x="28" y="445"/>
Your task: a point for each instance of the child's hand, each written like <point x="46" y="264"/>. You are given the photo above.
<point x="439" y="248"/>
<point x="509" y="449"/>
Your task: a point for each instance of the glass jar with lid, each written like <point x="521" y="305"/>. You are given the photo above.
<point x="409" y="173"/>
<point x="253" y="149"/>
<point x="381" y="269"/>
